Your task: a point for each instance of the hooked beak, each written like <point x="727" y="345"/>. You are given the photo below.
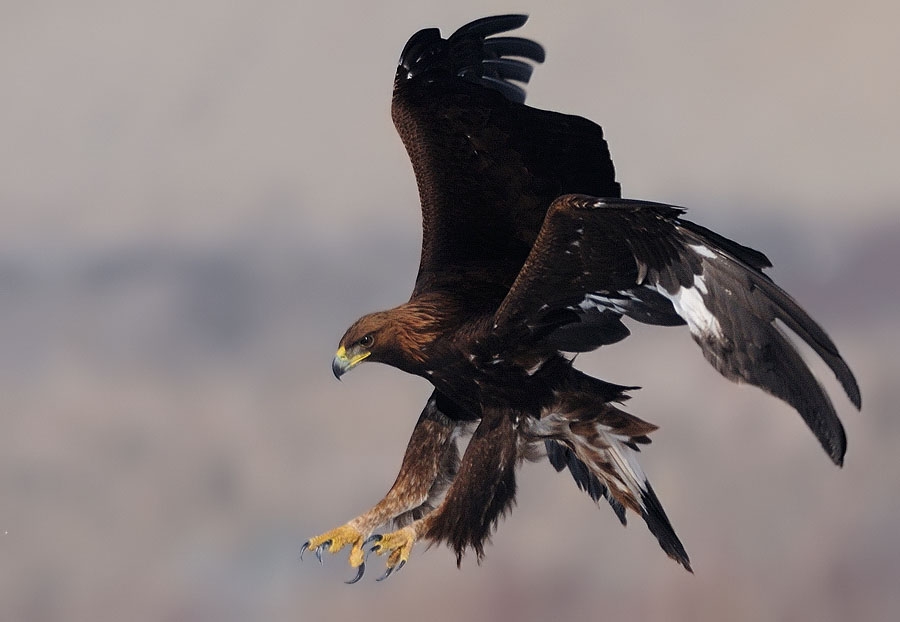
<point x="343" y="363"/>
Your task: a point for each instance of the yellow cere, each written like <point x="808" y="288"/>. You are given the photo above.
<point x="342" y="355"/>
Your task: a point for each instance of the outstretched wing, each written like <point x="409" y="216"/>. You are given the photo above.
<point x="615" y="257"/>
<point x="487" y="166"/>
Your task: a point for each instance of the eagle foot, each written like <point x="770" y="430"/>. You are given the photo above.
<point x="334" y="541"/>
<point x="397" y="545"/>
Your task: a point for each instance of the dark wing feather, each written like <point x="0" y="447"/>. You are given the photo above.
<point x="515" y="46"/>
<point x="508" y="69"/>
<point x="487" y="166"/>
<point x="639" y="259"/>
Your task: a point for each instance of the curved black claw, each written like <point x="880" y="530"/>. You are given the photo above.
<point x="359" y="574"/>
<point x="362" y="567"/>
<point x="373" y="539"/>
<point x="386" y="574"/>
<point x="304" y="549"/>
<point x="319" y="551"/>
<point x="391" y="570"/>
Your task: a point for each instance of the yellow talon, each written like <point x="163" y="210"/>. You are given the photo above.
<point x="336" y="539"/>
<point x="399" y="544"/>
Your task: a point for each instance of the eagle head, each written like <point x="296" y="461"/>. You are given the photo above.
<point x="397" y="337"/>
<point x="363" y="339"/>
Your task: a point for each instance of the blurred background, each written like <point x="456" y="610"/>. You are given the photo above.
<point x="196" y="199"/>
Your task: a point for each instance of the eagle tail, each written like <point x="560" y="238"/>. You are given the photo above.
<point x="599" y="446"/>
<point x="561" y="457"/>
<point x="659" y="525"/>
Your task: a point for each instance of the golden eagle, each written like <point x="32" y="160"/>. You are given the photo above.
<point x="529" y="252"/>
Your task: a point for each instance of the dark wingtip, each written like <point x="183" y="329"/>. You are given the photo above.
<point x="839" y="450"/>
<point x="516" y="46"/>
<point x="508" y="69"/>
<point x="766" y="356"/>
<point x="474" y="54"/>
<point x="851" y="388"/>
<point x="487" y="26"/>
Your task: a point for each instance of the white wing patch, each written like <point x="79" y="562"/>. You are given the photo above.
<point x="603" y="301"/>
<point x="688" y="303"/>
<point x="703" y="251"/>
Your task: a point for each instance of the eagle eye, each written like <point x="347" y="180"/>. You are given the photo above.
<point x="366" y="340"/>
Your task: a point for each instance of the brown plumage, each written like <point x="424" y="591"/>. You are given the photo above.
<point x="522" y="262"/>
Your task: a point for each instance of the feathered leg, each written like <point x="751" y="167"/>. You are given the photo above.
<point x="430" y="462"/>
<point x="481" y="493"/>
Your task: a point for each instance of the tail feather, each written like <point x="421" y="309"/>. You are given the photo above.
<point x="659" y="526"/>
<point x="598" y="444"/>
<point x="561" y="457"/>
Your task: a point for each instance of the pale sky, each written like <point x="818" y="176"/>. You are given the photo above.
<point x="189" y="120"/>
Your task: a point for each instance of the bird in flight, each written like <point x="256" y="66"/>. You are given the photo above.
<point x="529" y="254"/>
